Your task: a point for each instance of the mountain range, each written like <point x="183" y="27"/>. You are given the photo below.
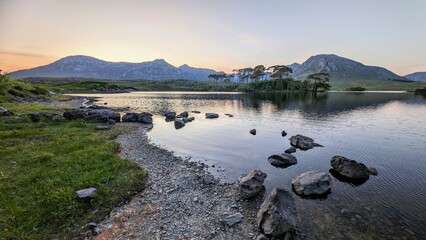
<point x="89" y="67"/>
<point x="339" y="68"/>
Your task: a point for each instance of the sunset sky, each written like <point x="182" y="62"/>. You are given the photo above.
<point x="221" y="34"/>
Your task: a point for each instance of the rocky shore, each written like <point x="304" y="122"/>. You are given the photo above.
<point x="182" y="201"/>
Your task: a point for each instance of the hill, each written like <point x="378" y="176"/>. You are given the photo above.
<point x="89" y="67"/>
<point x="417" y="76"/>
<point x="342" y="69"/>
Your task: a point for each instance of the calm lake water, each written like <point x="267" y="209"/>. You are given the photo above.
<point x="383" y="130"/>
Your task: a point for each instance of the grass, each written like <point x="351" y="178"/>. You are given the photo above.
<point x="43" y="164"/>
<point x="11" y="89"/>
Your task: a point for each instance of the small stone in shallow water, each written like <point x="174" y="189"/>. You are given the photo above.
<point x="283" y="133"/>
<point x="373" y="171"/>
<point x="253" y="132"/>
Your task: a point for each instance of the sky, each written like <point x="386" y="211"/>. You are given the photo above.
<point x="220" y="34"/>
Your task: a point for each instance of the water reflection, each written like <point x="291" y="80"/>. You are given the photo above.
<point x="384" y="130"/>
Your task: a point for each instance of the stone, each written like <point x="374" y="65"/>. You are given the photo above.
<point x="195" y="111"/>
<point x="184" y="114"/>
<point x="5" y="112"/>
<point x="303" y="142"/>
<point x="229" y="115"/>
<point x="277" y="215"/>
<point x="145" y="118"/>
<point x="312" y="183"/>
<point x="253" y="132"/>
<point x="373" y="171"/>
<point x="191" y="119"/>
<point x="111" y="122"/>
<point x="87" y="193"/>
<point x="130" y="117"/>
<point x="349" y="168"/>
<point x="282" y="160"/>
<point x="208" y="179"/>
<point x="290" y="150"/>
<point x="186" y="120"/>
<point x="179" y="124"/>
<point x="170" y="115"/>
<point x="35" y="117"/>
<point x="283" y="133"/>
<point x="103" y="127"/>
<point x="262" y="237"/>
<point x="212" y="115"/>
<point x="90" y="114"/>
<point x="233" y="219"/>
<point x="251" y="184"/>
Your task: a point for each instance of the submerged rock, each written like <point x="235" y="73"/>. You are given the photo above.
<point x="212" y="115"/>
<point x="179" y="123"/>
<point x="373" y="171"/>
<point x="303" y="142"/>
<point x="282" y="160"/>
<point x="312" y="183"/>
<point x="291" y="150"/>
<point x="277" y="215"/>
<point x="233" y="219"/>
<point x="349" y="168"/>
<point x="253" y="132"/>
<point x="251" y="184"/>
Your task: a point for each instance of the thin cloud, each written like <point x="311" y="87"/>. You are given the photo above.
<point x="21" y="54"/>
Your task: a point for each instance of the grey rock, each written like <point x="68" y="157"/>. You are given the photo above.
<point x="170" y="115"/>
<point x="102" y="115"/>
<point x="312" y="183"/>
<point x="251" y="184"/>
<point x="208" y="179"/>
<point x="373" y="171"/>
<point x="111" y="122"/>
<point x="86" y="193"/>
<point x="130" y="117"/>
<point x="191" y="119"/>
<point x="212" y="115"/>
<point x="233" y="219"/>
<point x="91" y="225"/>
<point x="184" y="114"/>
<point x="103" y="127"/>
<point x="349" y="168"/>
<point x="95" y="231"/>
<point x="179" y="124"/>
<point x="303" y="142"/>
<point x="145" y="118"/>
<point x="290" y="150"/>
<point x="186" y="120"/>
<point x="282" y="160"/>
<point x="5" y="112"/>
<point x="277" y="215"/>
<point x="283" y="133"/>
<point x="262" y="237"/>
<point x="253" y="132"/>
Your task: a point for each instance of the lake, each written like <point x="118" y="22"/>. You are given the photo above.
<point x="385" y="130"/>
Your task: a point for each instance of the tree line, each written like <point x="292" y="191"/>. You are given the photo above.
<point x="273" y="78"/>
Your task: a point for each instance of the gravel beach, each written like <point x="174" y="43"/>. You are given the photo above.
<point x="181" y="201"/>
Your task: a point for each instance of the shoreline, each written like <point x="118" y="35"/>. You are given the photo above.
<point x="177" y="203"/>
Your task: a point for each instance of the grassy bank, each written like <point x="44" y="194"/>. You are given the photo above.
<point x="43" y="164"/>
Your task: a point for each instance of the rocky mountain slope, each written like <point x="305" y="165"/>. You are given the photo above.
<point x="90" y="67"/>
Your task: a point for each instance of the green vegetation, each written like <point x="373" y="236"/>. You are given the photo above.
<point x="43" y="164"/>
<point x="11" y="89"/>
<point x="360" y="89"/>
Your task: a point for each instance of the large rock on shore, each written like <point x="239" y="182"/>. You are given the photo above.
<point x="251" y="184"/>
<point x="277" y="215"/>
<point x="349" y="168"/>
<point x="102" y="115"/>
<point x="170" y="115"/>
<point x="282" y="160"/>
<point x="5" y="112"/>
<point x="303" y="142"/>
<point x="145" y="118"/>
<point x="312" y="183"/>
<point x="179" y="123"/>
